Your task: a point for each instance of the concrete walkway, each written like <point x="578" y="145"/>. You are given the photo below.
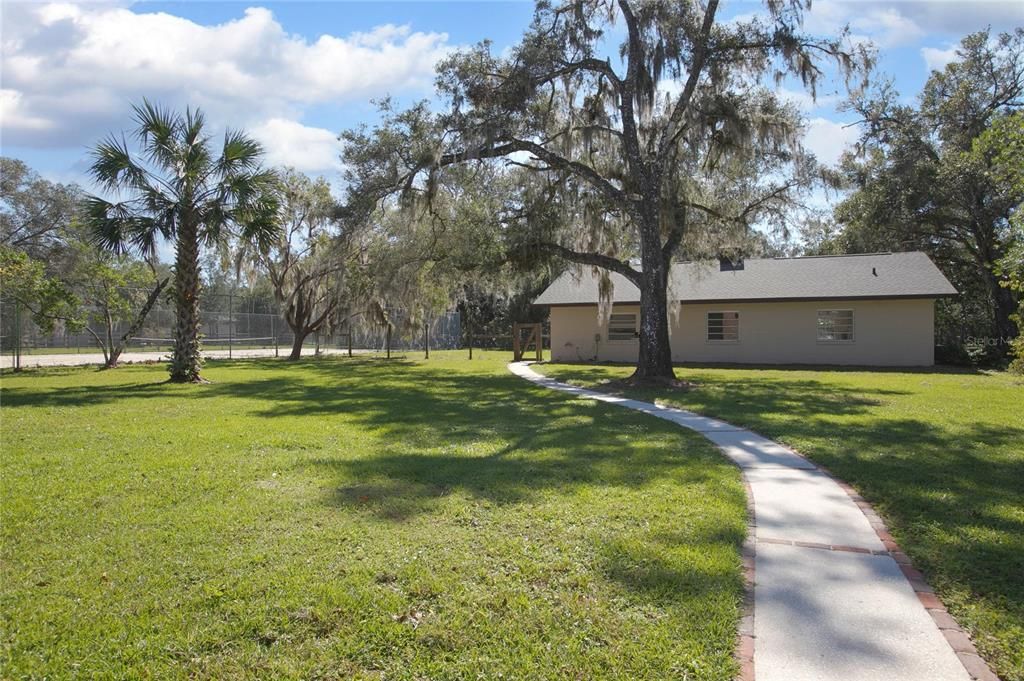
<point x="834" y="598"/>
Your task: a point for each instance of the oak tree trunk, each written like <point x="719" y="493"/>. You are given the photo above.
<point x="299" y="339"/>
<point x="186" y="362"/>
<point x="654" y="362"/>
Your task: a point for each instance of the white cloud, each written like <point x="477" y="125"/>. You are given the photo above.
<point x="904" y="22"/>
<point x="959" y="17"/>
<point x="13" y="114"/>
<point x="827" y="140"/>
<point x="804" y="100"/>
<point x="307" y="149"/>
<point x="884" y="25"/>
<point x="70" y="70"/>
<point x="936" y="59"/>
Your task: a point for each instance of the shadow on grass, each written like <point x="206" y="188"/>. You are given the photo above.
<point x="922" y="472"/>
<point x="489" y="437"/>
<point x="492" y="435"/>
<point x="953" y="488"/>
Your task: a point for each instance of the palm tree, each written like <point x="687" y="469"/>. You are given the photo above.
<point x="175" y="188"/>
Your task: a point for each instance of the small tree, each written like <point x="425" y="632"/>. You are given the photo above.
<point x="313" y="265"/>
<point x="48" y="299"/>
<point x="180" y="187"/>
<point x="111" y="287"/>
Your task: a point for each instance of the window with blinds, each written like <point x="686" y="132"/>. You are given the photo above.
<point x="622" y="327"/>
<point x="835" y="326"/>
<point x="723" y="326"/>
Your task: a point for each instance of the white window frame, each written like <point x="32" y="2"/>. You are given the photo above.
<point x="707" y="327"/>
<point x="622" y="325"/>
<point x="832" y="341"/>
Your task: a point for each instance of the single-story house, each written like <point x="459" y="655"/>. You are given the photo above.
<point x="876" y="309"/>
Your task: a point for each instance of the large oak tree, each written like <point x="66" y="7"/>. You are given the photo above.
<point x="639" y="124"/>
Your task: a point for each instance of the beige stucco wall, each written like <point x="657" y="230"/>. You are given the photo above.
<point x="886" y="333"/>
<point x="572" y="336"/>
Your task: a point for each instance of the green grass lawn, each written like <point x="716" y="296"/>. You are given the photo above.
<point x="357" y="519"/>
<point x="940" y="454"/>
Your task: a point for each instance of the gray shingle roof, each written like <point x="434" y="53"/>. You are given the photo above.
<point x="876" y="275"/>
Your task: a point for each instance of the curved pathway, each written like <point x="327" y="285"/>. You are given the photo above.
<point x="834" y="596"/>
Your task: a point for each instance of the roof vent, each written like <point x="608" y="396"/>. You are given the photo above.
<point x="729" y="265"/>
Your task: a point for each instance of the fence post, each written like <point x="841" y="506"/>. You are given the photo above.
<point x="387" y="341"/>
<point x="426" y="338"/>
<point x="17" y="336"/>
<point x="231" y="321"/>
<point x="273" y="332"/>
<point x="350" y="341"/>
<point x="470" y="334"/>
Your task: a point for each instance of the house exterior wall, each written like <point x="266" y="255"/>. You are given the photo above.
<point x="898" y="332"/>
<point x="573" y="331"/>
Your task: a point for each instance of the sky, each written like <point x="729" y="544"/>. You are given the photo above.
<point x="294" y="74"/>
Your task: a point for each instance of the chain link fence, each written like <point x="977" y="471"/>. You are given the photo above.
<point x="229" y="324"/>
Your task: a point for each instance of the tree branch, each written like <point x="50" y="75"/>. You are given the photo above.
<point x="604" y="261"/>
<point x="674" y="128"/>
<point x="554" y="160"/>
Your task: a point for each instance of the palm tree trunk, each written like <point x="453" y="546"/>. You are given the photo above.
<point x="186" y="362"/>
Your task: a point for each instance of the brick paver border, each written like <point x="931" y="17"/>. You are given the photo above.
<point x="958" y="639"/>
<point x="745" y="635"/>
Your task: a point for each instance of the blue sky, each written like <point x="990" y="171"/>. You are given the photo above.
<point x="296" y="73"/>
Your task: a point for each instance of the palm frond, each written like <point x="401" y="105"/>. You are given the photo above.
<point x="196" y="155"/>
<point x="158" y="130"/>
<point x="113" y="167"/>
<point x="119" y="228"/>
<point x="241" y="153"/>
<point x="247" y="202"/>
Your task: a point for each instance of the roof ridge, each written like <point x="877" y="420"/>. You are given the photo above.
<point x="835" y="255"/>
<point x="710" y="261"/>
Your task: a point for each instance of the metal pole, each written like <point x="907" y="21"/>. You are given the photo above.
<point x="349" y="341"/>
<point x="387" y="341"/>
<point x="231" y="320"/>
<point x="426" y="338"/>
<point x="17" y="336"/>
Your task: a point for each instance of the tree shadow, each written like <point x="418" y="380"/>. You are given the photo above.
<point x="951" y="489"/>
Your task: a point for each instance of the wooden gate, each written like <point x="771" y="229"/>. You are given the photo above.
<point x="521" y="347"/>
